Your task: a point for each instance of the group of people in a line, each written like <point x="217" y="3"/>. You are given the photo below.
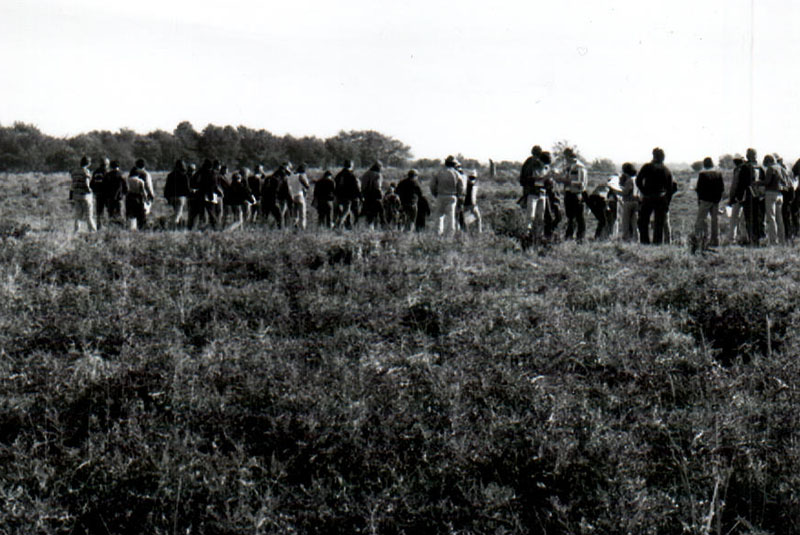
<point x="210" y="197"/>
<point x="763" y="201"/>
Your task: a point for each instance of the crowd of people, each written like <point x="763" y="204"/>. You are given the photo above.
<point x="211" y="197"/>
<point x="762" y="205"/>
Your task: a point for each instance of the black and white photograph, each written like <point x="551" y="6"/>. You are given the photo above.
<point x="422" y="267"/>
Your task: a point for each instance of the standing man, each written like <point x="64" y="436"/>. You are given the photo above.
<point x="348" y="193"/>
<point x="735" y="221"/>
<point x="324" y="199"/>
<point x="710" y="188"/>
<point x="98" y="188"/>
<point x="657" y="185"/>
<point x="773" y="200"/>
<point x="630" y="202"/>
<point x="531" y="178"/>
<point x="150" y="193"/>
<point x="176" y="191"/>
<point x="298" y="185"/>
<point x="574" y="180"/>
<point x="747" y="190"/>
<point x="410" y="193"/>
<point x="447" y="186"/>
<point x="115" y="188"/>
<point x="81" y="195"/>
<point x="372" y="190"/>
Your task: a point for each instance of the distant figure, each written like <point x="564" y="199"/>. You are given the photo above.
<point x="239" y="199"/>
<point x="81" y="195"/>
<point x="772" y="183"/>
<point x="115" y="188"/>
<point x="602" y="203"/>
<point x="348" y="195"/>
<point x="372" y="193"/>
<point x="98" y="189"/>
<point x="575" y="180"/>
<point x="176" y="191"/>
<point x="631" y="200"/>
<point x="136" y="199"/>
<point x="148" y="184"/>
<point x="710" y="188"/>
<point x="750" y="175"/>
<point x="324" y="199"/>
<point x="298" y="185"/>
<point x="391" y="207"/>
<point x="532" y="178"/>
<point x="657" y="186"/>
<point x="788" y="192"/>
<point x="269" y="195"/>
<point x="737" y="228"/>
<point x="410" y="193"/>
<point x="471" y="213"/>
<point x="207" y="194"/>
<point x="254" y="182"/>
<point x="492" y="169"/>
<point x="447" y="186"/>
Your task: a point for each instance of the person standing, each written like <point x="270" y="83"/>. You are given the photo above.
<point x="773" y="200"/>
<point x="574" y="180"/>
<point x="532" y="178"/>
<point x="270" y="206"/>
<point x="144" y="174"/>
<point x="736" y="226"/>
<point x="631" y="200"/>
<point x="324" y="199"/>
<point x="80" y="193"/>
<point x="239" y="199"/>
<point x="98" y="189"/>
<point x="348" y="195"/>
<point x="656" y="184"/>
<point x="602" y="202"/>
<point x="135" y="200"/>
<point x="115" y="188"/>
<point x="748" y="190"/>
<point x="176" y="191"/>
<point x="372" y="192"/>
<point x="410" y="192"/>
<point x="254" y="182"/>
<point x="447" y="186"/>
<point x="297" y="184"/>
<point x="710" y="187"/>
<point x="472" y="213"/>
<point x="391" y="207"/>
<point x="207" y="193"/>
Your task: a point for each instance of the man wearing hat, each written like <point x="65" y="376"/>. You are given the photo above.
<point x="447" y="186"/>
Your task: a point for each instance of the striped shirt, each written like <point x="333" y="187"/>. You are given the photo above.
<point x="81" y="178"/>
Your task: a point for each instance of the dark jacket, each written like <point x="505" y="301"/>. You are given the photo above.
<point x="749" y="174"/>
<point x="655" y="180"/>
<point x="324" y="190"/>
<point x="239" y="193"/>
<point x="348" y="188"/>
<point x="98" y="178"/>
<point x="254" y="183"/>
<point x="409" y="191"/>
<point x="115" y="187"/>
<point x="177" y="185"/>
<point x="710" y="186"/>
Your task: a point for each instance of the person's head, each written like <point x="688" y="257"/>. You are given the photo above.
<point x="179" y="165"/>
<point x="85" y="161"/>
<point x="392" y="186"/>
<point x="327" y="174"/>
<point x="752" y="155"/>
<point x="191" y="168"/>
<point x="140" y="163"/>
<point x="769" y="160"/>
<point x="472" y="174"/>
<point x="451" y="161"/>
<point x="738" y="161"/>
<point x="569" y="155"/>
<point x="377" y="166"/>
<point x="629" y="169"/>
<point x="260" y="169"/>
<point x="545" y="157"/>
<point x="236" y="177"/>
<point x="708" y="163"/>
<point x="413" y="173"/>
<point x="207" y="165"/>
<point x="114" y="164"/>
<point x="105" y="163"/>
<point x="658" y="155"/>
<point x="301" y="168"/>
<point x="287" y="166"/>
<point x="347" y="164"/>
<point x="536" y="151"/>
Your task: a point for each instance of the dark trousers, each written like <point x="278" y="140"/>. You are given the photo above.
<point x="199" y="206"/>
<point x="573" y="206"/>
<point x="599" y="207"/>
<point x="325" y="213"/>
<point x="790" y="230"/>
<point x="272" y="208"/>
<point x="656" y="207"/>
<point x="754" y="218"/>
<point x="409" y="216"/>
<point x="134" y="209"/>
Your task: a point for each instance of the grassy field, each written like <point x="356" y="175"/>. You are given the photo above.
<point x="376" y="382"/>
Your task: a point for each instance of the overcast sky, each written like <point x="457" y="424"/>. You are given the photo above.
<point x="486" y="79"/>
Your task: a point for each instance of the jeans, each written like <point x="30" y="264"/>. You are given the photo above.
<point x="773" y="202"/>
<point x="656" y="207"/>
<point x="446" y="212"/>
<point x="573" y="206"/>
<point x="705" y="209"/>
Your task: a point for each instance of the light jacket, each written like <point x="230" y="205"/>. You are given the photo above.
<point x="447" y="181"/>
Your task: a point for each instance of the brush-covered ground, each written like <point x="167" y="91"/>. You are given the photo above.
<point x="376" y="382"/>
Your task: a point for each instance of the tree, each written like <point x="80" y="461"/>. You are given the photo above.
<point x="603" y="165"/>
<point x="697" y="166"/>
<point x="188" y="140"/>
<point x="726" y="161"/>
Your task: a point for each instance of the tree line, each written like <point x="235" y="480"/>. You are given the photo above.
<point x="23" y="147"/>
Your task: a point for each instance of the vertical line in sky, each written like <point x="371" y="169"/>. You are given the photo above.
<point x="752" y="68"/>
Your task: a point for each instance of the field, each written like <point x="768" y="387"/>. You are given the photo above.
<point x="376" y="382"/>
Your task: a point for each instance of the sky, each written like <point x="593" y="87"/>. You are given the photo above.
<point x="484" y="79"/>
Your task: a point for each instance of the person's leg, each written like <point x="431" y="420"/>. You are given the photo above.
<point x="779" y="218"/>
<point x="571" y="210"/>
<point x="700" y="221"/>
<point x="770" y="217"/>
<point x="714" y="238"/>
<point x="659" y="220"/>
<point x="644" y="220"/>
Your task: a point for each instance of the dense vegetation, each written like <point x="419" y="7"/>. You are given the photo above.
<point x="367" y="382"/>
